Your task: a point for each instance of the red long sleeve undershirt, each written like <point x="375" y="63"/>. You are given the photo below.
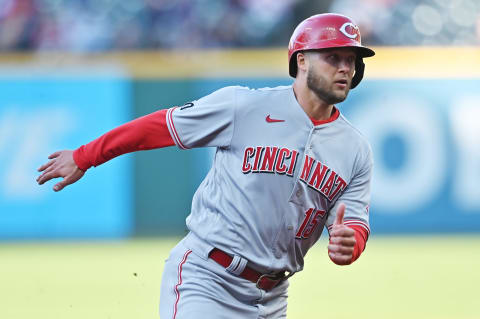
<point x="146" y="133"/>
<point x="361" y="236"/>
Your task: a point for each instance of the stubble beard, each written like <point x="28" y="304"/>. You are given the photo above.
<point x="317" y="85"/>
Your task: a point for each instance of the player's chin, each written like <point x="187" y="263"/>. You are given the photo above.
<point x="340" y="95"/>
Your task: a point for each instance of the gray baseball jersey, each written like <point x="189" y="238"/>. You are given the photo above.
<point x="276" y="179"/>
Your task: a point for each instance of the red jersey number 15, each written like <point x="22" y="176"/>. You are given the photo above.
<point x="310" y="223"/>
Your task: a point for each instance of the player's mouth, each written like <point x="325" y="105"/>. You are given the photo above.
<point x="341" y="83"/>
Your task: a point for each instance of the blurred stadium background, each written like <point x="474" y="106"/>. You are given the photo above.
<point x="71" y="70"/>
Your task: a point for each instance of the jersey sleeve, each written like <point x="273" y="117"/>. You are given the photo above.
<point x="208" y="121"/>
<point x="356" y="198"/>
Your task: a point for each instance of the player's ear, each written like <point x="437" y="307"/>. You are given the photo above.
<point x="302" y="63"/>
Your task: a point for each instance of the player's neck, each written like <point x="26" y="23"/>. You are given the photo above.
<point x="314" y="107"/>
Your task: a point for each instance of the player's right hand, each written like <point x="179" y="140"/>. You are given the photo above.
<point x="61" y="164"/>
<point x="342" y="240"/>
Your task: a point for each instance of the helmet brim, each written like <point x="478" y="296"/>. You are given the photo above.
<point x="362" y="52"/>
<point x="365" y="52"/>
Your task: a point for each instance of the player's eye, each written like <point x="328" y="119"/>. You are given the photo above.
<point x="332" y="57"/>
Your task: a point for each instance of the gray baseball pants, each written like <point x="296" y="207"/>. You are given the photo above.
<point x="194" y="286"/>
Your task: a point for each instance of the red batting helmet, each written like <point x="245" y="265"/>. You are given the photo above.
<point x="328" y="30"/>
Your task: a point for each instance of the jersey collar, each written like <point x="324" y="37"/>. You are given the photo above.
<point x="333" y="117"/>
<point x="335" y="114"/>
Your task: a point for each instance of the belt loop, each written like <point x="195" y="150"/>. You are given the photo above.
<point x="237" y="265"/>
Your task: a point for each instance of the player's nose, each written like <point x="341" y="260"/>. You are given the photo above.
<point x="345" y="65"/>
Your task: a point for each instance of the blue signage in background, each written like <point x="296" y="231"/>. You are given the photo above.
<point x="40" y="114"/>
<point x="425" y="135"/>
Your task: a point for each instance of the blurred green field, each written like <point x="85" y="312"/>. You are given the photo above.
<point x="397" y="277"/>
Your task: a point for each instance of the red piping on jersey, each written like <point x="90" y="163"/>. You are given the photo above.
<point x="145" y="133"/>
<point x="174" y="130"/>
<point x="180" y="266"/>
<point x="354" y="222"/>
<point x="335" y="115"/>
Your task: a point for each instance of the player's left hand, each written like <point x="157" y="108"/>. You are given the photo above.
<point x="342" y="240"/>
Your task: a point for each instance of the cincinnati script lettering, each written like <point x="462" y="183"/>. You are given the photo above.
<point x="269" y="159"/>
<point x="272" y="159"/>
<point x="321" y="178"/>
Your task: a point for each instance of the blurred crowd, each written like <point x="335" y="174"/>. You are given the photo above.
<point x="415" y="22"/>
<point x="101" y="25"/>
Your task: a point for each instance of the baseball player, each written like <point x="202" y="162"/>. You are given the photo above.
<point x="287" y="164"/>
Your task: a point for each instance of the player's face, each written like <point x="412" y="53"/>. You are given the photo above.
<point x="330" y="73"/>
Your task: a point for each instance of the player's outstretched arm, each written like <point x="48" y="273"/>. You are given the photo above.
<point x="60" y="164"/>
<point x="144" y="133"/>
<point x="342" y="240"/>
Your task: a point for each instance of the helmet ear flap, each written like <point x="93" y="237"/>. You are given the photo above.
<point x="359" y="70"/>
<point x="292" y="67"/>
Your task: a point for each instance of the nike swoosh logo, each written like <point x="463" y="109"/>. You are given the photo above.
<point x="270" y="120"/>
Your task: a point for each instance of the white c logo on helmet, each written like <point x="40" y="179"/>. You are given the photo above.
<point x="343" y="29"/>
